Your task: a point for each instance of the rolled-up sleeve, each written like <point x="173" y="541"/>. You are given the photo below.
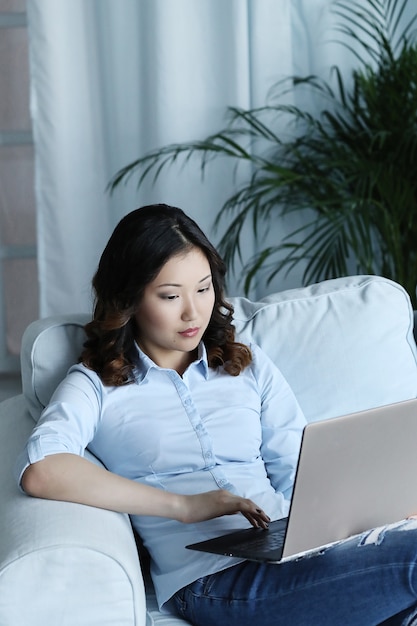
<point x="68" y="423"/>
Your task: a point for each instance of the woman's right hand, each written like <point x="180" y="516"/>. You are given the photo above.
<point x="73" y="478"/>
<point x="211" y="504"/>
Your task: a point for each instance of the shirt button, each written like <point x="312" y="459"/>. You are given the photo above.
<point x="208" y="455"/>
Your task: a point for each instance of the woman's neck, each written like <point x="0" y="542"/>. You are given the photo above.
<point x="178" y="361"/>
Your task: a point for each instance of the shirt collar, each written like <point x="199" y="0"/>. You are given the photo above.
<point x="144" y="364"/>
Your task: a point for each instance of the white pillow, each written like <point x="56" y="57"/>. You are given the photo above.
<point x="49" y="347"/>
<point x="343" y="345"/>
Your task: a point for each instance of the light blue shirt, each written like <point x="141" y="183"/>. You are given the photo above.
<point x="202" y="431"/>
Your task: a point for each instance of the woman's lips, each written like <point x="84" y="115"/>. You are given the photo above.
<point x="190" y="332"/>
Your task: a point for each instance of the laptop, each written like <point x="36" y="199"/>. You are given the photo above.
<point x="354" y="473"/>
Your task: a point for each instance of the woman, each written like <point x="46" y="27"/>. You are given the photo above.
<point x="194" y="428"/>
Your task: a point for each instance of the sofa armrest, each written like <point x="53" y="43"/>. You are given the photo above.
<point x="60" y="562"/>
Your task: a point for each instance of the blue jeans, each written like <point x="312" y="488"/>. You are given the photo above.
<point x="366" y="580"/>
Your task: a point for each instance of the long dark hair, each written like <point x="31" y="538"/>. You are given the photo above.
<point x="142" y="242"/>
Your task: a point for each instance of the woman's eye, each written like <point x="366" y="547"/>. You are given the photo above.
<point x="204" y="289"/>
<point x="172" y="297"/>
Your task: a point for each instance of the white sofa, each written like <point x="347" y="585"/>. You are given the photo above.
<point x="344" y="345"/>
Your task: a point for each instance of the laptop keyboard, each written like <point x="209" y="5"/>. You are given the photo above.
<point x="266" y="542"/>
<point x="251" y="543"/>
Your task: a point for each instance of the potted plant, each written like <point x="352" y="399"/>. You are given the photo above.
<point x="351" y="168"/>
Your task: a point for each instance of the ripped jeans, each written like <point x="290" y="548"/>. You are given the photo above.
<point x="366" y="580"/>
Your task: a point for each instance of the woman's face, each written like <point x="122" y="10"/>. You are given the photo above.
<point x="175" y="310"/>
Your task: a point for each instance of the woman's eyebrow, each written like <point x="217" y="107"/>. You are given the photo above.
<point x="178" y="285"/>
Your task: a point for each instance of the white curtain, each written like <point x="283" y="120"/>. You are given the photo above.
<point x="113" y="79"/>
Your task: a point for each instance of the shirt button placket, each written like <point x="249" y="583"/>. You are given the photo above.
<point x="205" y="442"/>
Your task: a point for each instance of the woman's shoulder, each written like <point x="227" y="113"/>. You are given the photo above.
<point x="258" y="354"/>
<point x="83" y="370"/>
<point x="84" y="378"/>
<point x="262" y="364"/>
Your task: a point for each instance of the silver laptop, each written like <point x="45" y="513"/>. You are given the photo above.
<point x="354" y="473"/>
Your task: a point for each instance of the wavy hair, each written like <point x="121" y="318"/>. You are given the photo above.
<point x="142" y="242"/>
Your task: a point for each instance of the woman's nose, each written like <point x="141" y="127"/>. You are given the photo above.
<point x="189" y="310"/>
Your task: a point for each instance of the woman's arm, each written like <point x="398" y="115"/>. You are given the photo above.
<point x="282" y="424"/>
<point x="73" y="478"/>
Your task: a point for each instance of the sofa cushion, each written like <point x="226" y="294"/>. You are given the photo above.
<point x="344" y="345"/>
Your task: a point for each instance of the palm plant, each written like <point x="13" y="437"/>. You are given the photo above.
<point x="351" y="168"/>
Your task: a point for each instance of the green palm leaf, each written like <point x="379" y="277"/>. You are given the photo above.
<point x="350" y="170"/>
